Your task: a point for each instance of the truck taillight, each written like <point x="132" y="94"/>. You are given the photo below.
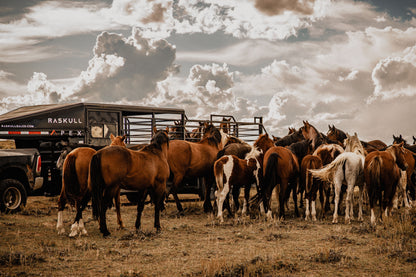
<point x="38" y="165"/>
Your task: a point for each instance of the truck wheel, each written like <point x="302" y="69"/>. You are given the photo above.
<point x="13" y="196"/>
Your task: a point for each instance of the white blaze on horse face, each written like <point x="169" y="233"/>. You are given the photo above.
<point x="60" y="224"/>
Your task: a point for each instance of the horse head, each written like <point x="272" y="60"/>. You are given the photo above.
<point x="160" y="138"/>
<point x="399" y="139"/>
<point x="264" y="142"/>
<point x="353" y="144"/>
<point x="398" y="152"/>
<point x="118" y="140"/>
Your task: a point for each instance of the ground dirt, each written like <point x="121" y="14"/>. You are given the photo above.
<point x="198" y="245"/>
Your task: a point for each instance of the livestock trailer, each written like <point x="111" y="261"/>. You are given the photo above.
<point x="50" y="128"/>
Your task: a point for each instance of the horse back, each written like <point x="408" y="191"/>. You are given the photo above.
<point x="288" y="165"/>
<point x="75" y="172"/>
<point x="381" y="169"/>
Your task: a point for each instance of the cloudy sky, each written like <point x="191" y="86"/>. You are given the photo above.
<point x="347" y="63"/>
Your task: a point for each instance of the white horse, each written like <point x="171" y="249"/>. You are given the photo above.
<point x="347" y="168"/>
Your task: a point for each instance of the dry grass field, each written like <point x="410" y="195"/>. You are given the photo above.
<point x="198" y="245"/>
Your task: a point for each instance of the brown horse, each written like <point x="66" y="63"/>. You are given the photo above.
<point x="369" y="146"/>
<point x="311" y="185"/>
<point x="293" y="137"/>
<point x="225" y="125"/>
<point x="194" y="159"/>
<point x="75" y="187"/>
<point x="146" y="170"/>
<point x="382" y="174"/>
<point x="281" y="169"/>
<point x="410" y="160"/>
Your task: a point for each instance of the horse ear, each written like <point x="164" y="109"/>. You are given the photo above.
<point x="401" y="144"/>
<point x="154" y="130"/>
<point x="167" y="129"/>
<point x="355" y="134"/>
<point x="123" y="137"/>
<point x="112" y="137"/>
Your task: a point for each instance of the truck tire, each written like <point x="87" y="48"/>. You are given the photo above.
<point x="12" y="195"/>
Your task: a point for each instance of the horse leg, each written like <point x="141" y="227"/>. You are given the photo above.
<point x="117" y="203"/>
<point x="177" y="179"/>
<point x="307" y="212"/>
<point x="294" y="186"/>
<point x="140" y="206"/>
<point x="221" y="196"/>
<point x="327" y="189"/>
<point x="246" y="199"/>
<point x="337" y="190"/>
<point x="61" y="206"/>
<point x="75" y="226"/>
<point x="282" y="197"/>
<point x="321" y="197"/>
<point x="102" y="217"/>
<point x="158" y="199"/>
<point x="207" y="202"/>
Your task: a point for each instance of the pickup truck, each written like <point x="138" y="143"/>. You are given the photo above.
<point x="20" y="171"/>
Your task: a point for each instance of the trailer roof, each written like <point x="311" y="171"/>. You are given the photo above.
<point x="29" y="111"/>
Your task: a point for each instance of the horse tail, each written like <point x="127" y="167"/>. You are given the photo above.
<point x="96" y="183"/>
<point x="270" y="172"/>
<point x="374" y="170"/>
<point x="219" y="173"/>
<point x="326" y="173"/>
<point x="70" y="183"/>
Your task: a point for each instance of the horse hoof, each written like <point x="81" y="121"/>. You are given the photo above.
<point x="106" y="233"/>
<point x="61" y="231"/>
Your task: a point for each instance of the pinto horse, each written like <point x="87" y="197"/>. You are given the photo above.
<point x="382" y="174"/>
<point x="311" y="185"/>
<point x="146" y="170"/>
<point x="346" y="168"/>
<point x="75" y="189"/>
<point x="280" y="169"/>
<point x="232" y="173"/>
<point x="194" y="159"/>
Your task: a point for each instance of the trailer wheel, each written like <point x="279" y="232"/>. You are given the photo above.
<point x="12" y="196"/>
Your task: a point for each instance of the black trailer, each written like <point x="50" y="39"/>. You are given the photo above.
<point x="50" y="127"/>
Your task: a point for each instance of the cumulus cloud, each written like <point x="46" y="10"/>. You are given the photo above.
<point x="125" y="68"/>
<point x="275" y="7"/>
<point x="207" y="89"/>
<point x="395" y="76"/>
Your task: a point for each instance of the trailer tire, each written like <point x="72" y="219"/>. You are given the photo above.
<point x="12" y="196"/>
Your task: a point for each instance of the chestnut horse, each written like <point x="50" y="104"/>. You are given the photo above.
<point x="232" y="173"/>
<point x="194" y="159"/>
<point x="410" y="160"/>
<point x="382" y="174"/>
<point x="146" y="170"/>
<point x="281" y="169"/>
<point x="75" y="188"/>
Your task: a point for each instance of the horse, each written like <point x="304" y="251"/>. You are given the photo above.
<point x="194" y="159"/>
<point x="178" y="131"/>
<point x="237" y="147"/>
<point x="346" y="168"/>
<point x="75" y="189"/>
<point x="232" y="173"/>
<point x="146" y="170"/>
<point x="339" y="135"/>
<point x="197" y="133"/>
<point x="225" y="125"/>
<point x="281" y="169"/>
<point x="296" y="136"/>
<point x="311" y="185"/>
<point x="382" y="174"/>
<point x="410" y="160"/>
<point x="300" y="149"/>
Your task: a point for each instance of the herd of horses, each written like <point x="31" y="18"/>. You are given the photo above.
<point x="302" y="163"/>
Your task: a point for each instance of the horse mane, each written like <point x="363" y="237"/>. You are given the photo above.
<point x="289" y="139"/>
<point x="353" y="144"/>
<point x="160" y="138"/>
<point x="300" y="148"/>
<point x="254" y="153"/>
